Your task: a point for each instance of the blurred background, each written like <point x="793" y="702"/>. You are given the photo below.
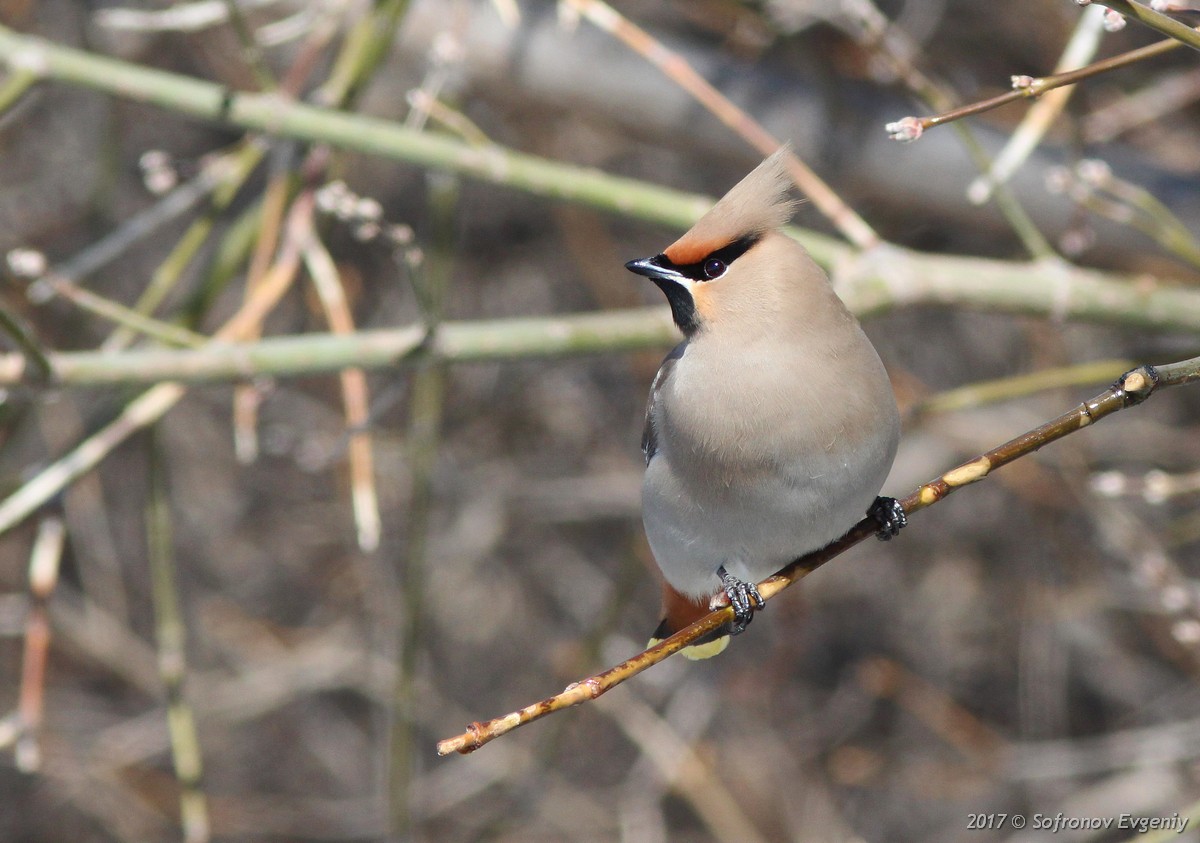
<point x="237" y="653"/>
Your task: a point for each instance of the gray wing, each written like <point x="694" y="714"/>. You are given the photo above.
<point x="649" y="434"/>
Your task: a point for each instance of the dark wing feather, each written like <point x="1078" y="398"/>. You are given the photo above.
<point x="649" y="434"/>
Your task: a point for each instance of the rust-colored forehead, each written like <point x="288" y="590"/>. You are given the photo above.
<point x="756" y="204"/>
<point x="684" y="251"/>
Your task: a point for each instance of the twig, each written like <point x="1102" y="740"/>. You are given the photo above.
<point x="426" y="408"/>
<point x="182" y="17"/>
<point x="137" y="228"/>
<point x="1155" y="20"/>
<point x="875" y="32"/>
<point x="1018" y="386"/>
<point x="62" y="279"/>
<point x="44" y="562"/>
<point x="362" y="51"/>
<point x="37" y="363"/>
<point x="170" y="633"/>
<point x="500" y="339"/>
<point x="675" y="67"/>
<point x="288" y="118"/>
<point x="246" y="397"/>
<point x="118" y="314"/>
<point x="1080" y="49"/>
<point x="251" y="50"/>
<point x="19" y="81"/>
<point x="144" y="410"/>
<point x="1053" y="290"/>
<point x="328" y="284"/>
<point x="1130" y="204"/>
<point x="1026" y="87"/>
<point x="450" y="119"/>
<point x="1131" y="389"/>
<point x="226" y="173"/>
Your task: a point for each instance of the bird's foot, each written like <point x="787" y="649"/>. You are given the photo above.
<point x="743" y="597"/>
<point x="890" y="517"/>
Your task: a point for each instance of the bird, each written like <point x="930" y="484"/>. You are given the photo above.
<point x="771" y="428"/>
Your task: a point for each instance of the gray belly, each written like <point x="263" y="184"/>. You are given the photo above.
<point x="754" y="528"/>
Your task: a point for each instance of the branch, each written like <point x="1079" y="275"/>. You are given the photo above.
<point x="877" y="283"/>
<point x="676" y="68"/>
<point x="278" y="116"/>
<point x="1028" y="87"/>
<point x="898" y="50"/>
<point x="1131" y="389"/>
<point x="1155" y="20"/>
<point x="150" y="406"/>
<point x="1080" y="50"/>
<point x="281" y="117"/>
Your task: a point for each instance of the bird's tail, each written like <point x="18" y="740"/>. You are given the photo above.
<point x="680" y="612"/>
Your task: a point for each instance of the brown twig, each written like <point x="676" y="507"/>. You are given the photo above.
<point x="327" y="281"/>
<point x="1146" y="16"/>
<point x="892" y="45"/>
<point x="247" y="397"/>
<point x="1026" y="87"/>
<point x="1132" y="388"/>
<point x="43" y="576"/>
<point x="853" y="227"/>
<point x="1080" y="49"/>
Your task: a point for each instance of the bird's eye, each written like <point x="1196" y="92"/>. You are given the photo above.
<point x="714" y="268"/>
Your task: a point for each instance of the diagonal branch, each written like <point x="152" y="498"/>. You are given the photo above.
<point x="676" y="68"/>
<point x="1028" y="87"/>
<point x="1132" y="388"/>
<point x="1154" y="20"/>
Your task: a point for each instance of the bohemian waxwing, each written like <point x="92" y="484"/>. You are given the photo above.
<point x="771" y="428"/>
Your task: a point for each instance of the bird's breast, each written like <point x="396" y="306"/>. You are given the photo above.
<point x="778" y="412"/>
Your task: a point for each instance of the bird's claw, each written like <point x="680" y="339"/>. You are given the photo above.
<point x="743" y="598"/>
<point x="890" y="517"/>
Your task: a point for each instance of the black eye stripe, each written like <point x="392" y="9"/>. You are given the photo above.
<point x="698" y="271"/>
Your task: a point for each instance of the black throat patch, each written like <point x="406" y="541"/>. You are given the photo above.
<point x="667" y="274"/>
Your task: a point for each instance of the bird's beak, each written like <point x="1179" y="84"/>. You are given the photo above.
<point x="658" y="270"/>
<point x="675" y="285"/>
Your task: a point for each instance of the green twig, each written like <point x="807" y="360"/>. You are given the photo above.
<point x="425" y="411"/>
<point x="364" y="48"/>
<point x="18" y="82"/>
<point x="227" y="174"/>
<point x="311" y="353"/>
<point x="276" y="115"/>
<point x="1004" y="389"/>
<point x="116" y="313"/>
<point x="252" y="53"/>
<point x="30" y="347"/>
<point x="171" y="640"/>
<point x="889" y="280"/>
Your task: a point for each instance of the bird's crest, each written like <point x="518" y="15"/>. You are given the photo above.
<point x="755" y="205"/>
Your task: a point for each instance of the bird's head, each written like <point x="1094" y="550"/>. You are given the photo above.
<point x="732" y="261"/>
